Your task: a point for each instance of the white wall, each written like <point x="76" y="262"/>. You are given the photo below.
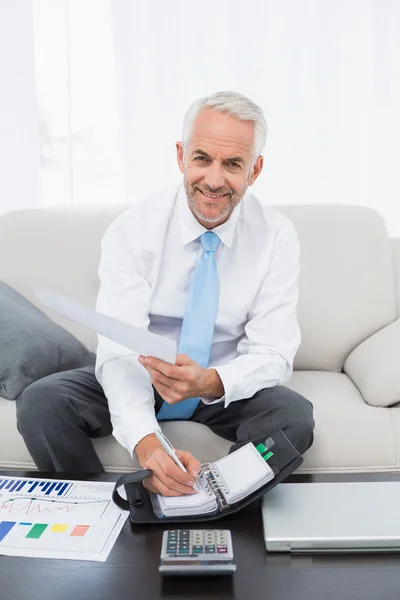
<point x="19" y="127"/>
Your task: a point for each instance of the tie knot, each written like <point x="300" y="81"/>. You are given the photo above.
<point x="210" y="241"/>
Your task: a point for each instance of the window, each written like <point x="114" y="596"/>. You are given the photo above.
<point x="81" y="162"/>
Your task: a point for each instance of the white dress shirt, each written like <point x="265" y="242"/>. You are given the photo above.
<point x="148" y="257"/>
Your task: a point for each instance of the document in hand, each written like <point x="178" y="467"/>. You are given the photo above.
<point x="219" y="485"/>
<point x="138" y="339"/>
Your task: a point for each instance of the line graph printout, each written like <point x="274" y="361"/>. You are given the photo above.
<point x="58" y="518"/>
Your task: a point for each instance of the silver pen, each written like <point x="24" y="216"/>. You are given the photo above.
<point x="166" y="444"/>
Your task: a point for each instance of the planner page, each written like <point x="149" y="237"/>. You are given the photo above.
<point x="191" y="504"/>
<point x="241" y="473"/>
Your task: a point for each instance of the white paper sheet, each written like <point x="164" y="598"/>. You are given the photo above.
<point x="138" y="339"/>
<point x="57" y="518"/>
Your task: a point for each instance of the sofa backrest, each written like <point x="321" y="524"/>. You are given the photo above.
<point x="395" y="244"/>
<point x="347" y="286"/>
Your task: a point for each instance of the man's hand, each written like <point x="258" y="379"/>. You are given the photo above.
<point x="168" y="479"/>
<point x="185" y="379"/>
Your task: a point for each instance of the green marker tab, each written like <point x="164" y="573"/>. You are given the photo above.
<point x="267" y="456"/>
<point x="261" y="448"/>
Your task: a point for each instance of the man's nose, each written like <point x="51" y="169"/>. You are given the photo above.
<point x="214" y="176"/>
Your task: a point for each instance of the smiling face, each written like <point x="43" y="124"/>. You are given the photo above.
<point x="217" y="165"/>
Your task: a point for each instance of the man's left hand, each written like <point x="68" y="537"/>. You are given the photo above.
<point x="185" y="379"/>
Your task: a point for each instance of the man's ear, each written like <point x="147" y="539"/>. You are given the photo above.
<point x="258" y="165"/>
<point x="179" y="156"/>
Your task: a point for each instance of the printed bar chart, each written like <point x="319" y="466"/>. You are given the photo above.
<point x="79" y="530"/>
<point x="37" y="531"/>
<point x="58" y="528"/>
<point x="5" y="527"/>
<point x="63" y="519"/>
<point x="47" y="488"/>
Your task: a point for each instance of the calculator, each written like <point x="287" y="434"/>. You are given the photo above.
<point x="197" y="552"/>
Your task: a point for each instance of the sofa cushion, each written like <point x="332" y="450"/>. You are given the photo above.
<point x="374" y="366"/>
<point x="197" y="438"/>
<point x="346" y="430"/>
<point x="346" y="284"/>
<point x="32" y="346"/>
<point x="350" y="436"/>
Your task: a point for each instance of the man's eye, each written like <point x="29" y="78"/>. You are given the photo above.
<point x="201" y="158"/>
<point x="233" y="164"/>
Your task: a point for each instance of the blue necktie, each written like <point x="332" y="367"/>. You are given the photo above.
<point x="198" y="321"/>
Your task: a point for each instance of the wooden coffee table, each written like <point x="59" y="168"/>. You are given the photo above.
<point x="131" y="571"/>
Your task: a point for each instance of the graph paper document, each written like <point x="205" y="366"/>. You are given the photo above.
<point x="58" y="518"/>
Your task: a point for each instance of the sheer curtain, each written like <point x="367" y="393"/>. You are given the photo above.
<point x="19" y="123"/>
<point x="75" y="80"/>
<point x="94" y="94"/>
<point x="326" y="73"/>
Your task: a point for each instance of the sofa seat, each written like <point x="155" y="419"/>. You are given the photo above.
<point x="350" y="435"/>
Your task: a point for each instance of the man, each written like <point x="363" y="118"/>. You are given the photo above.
<point x="211" y="267"/>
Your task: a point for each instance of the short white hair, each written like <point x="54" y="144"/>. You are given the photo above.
<point x="231" y="103"/>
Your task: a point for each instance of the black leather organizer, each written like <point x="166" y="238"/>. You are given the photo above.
<point x="283" y="461"/>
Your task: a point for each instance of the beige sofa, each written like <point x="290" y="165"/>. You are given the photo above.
<point x="348" y="363"/>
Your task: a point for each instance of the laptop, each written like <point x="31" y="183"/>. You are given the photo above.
<point x="359" y="516"/>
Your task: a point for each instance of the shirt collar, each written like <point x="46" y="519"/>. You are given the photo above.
<point x="191" y="229"/>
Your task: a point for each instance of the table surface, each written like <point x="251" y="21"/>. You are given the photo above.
<point x="131" y="571"/>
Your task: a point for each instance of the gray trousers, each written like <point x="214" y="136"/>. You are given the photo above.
<point x="57" y="416"/>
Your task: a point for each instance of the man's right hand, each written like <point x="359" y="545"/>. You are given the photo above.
<point x="168" y="479"/>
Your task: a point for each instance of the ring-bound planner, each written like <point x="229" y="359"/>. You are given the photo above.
<point x="222" y="487"/>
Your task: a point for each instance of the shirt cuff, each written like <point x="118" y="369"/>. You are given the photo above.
<point x="145" y="423"/>
<point x="212" y="400"/>
<point x="228" y="378"/>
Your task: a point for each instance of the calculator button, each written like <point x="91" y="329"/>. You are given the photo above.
<point x="210" y="549"/>
<point x="222" y="549"/>
<point x="183" y="550"/>
<point x="198" y="549"/>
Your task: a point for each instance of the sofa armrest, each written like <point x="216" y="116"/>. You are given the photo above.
<point x="374" y="366"/>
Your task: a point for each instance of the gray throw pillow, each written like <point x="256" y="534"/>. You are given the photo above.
<point x="32" y="346"/>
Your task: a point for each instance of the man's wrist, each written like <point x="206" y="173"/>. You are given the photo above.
<point x="145" y="446"/>
<point x="213" y="386"/>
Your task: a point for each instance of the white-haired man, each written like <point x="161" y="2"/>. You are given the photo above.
<point x="205" y="264"/>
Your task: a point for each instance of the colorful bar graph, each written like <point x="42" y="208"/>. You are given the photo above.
<point x="36" y="531"/>
<point x="59" y="528"/>
<point x="5" y="527"/>
<point x="79" y="530"/>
